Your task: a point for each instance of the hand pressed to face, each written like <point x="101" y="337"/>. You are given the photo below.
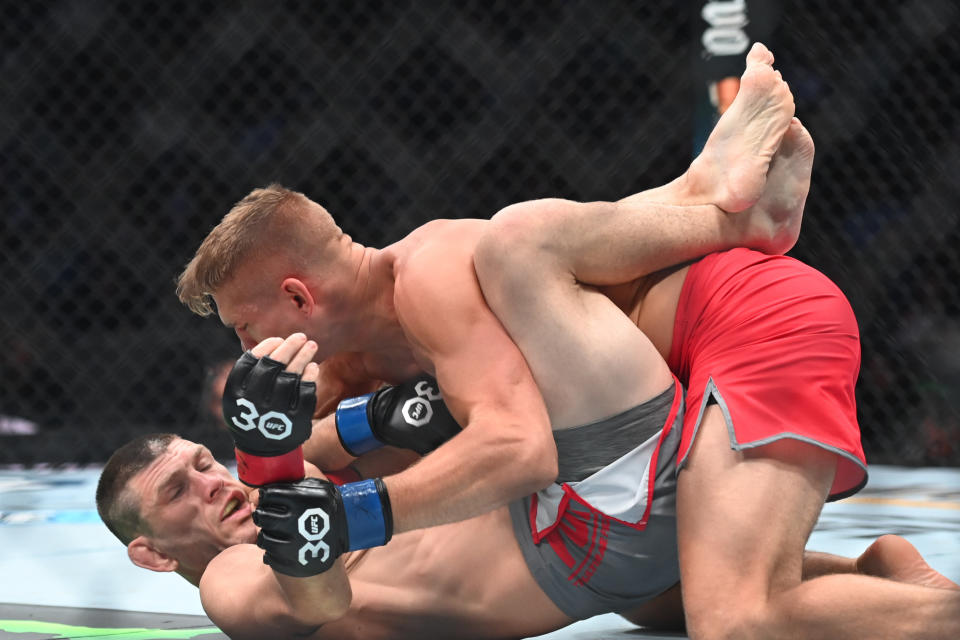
<point x="267" y="404"/>
<point x="295" y="351"/>
<point x="268" y="408"/>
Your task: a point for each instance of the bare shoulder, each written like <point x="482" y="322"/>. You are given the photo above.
<point x="434" y="241"/>
<point x="228" y="585"/>
<point x="435" y="275"/>
<point x="241" y="595"/>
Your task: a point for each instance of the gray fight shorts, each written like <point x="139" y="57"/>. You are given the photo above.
<point x="603" y="537"/>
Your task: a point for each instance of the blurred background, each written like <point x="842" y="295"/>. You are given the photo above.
<point x="127" y="129"/>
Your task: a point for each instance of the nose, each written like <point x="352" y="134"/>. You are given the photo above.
<point x="210" y="485"/>
<point x="246" y="340"/>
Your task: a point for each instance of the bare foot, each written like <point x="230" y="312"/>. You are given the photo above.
<point x="732" y="168"/>
<point x="895" y="558"/>
<point x="772" y="225"/>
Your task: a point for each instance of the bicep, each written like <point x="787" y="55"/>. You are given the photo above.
<point x="479" y="368"/>
<point x="485" y="375"/>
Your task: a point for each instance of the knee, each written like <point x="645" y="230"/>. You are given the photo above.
<point x="516" y="226"/>
<point x="509" y="246"/>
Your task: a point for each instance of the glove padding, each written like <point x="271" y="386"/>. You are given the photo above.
<point x="269" y="412"/>
<point x="305" y="526"/>
<point x="411" y="415"/>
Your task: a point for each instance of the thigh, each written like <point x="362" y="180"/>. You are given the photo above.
<point x="589" y="359"/>
<point x="743" y="519"/>
<point x="663" y="613"/>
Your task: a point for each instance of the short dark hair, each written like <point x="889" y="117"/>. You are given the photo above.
<point x="118" y="509"/>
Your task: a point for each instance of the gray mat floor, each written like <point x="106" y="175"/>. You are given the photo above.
<point x="65" y="576"/>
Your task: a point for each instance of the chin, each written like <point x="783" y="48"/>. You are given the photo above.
<point x="247" y="535"/>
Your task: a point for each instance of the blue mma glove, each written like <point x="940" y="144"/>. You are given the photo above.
<point x="411" y="415"/>
<point x="305" y="526"/>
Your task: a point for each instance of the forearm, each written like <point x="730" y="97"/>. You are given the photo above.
<point x="368" y="436"/>
<point x="323" y="448"/>
<point x="248" y="599"/>
<point x="315" y="600"/>
<point x="384" y="462"/>
<point x="474" y="473"/>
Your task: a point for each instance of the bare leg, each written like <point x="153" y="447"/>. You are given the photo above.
<point x="895" y="558"/>
<point x="744" y="580"/>
<point x="889" y="556"/>
<point x="609" y="244"/>
<point x="663" y="613"/>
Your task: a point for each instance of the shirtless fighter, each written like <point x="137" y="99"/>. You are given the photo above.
<point x="278" y="264"/>
<point x="177" y="509"/>
<point x="768" y="349"/>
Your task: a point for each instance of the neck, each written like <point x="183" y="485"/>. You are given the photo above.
<point x="193" y="577"/>
<point x="373" y="325"/>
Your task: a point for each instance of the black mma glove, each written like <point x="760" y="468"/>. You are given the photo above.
<point x="305" y="526"/>
<point x="410" y="416"/>
<point x="269" y="412"/>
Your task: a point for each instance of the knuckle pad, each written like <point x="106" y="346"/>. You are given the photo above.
<point x="285" y="395"/>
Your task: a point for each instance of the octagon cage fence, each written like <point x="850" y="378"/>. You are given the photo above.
<point x="127" y="129"/>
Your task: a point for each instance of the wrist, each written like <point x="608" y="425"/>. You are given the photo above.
<point x="255" y="470"/>
<point x="353" y="426"/>
<point x="367" y="510"/>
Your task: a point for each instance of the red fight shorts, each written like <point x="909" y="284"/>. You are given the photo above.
<point x="775" y="343"/>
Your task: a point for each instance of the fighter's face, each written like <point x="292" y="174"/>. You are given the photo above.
<point x="256" y="315"/>
<point x="192" y="504"/>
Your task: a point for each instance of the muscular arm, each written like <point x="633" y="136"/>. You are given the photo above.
<point x="343" y="376"/>
<point x="324" y="450"/>
<point x="248" y="599"/>
<point x="506" y="449"/>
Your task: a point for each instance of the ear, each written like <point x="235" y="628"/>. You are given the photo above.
<point x="143" y="553"/>
<point x="300" y="294"/>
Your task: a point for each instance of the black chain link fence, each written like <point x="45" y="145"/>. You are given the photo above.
<point x="128" y="128"/>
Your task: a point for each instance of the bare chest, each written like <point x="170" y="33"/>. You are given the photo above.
<point x="464" y="580"/>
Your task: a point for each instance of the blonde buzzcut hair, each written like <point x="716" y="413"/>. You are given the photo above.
<point x="272" y="221"/>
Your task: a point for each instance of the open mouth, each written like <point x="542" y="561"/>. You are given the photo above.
<point x="234" y="504"/>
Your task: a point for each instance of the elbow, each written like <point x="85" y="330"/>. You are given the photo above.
<point x="311" y="602"/>
<point x="305" y="621"/>
<point x="548" y="468"/>
<point x="537" y="460"/>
